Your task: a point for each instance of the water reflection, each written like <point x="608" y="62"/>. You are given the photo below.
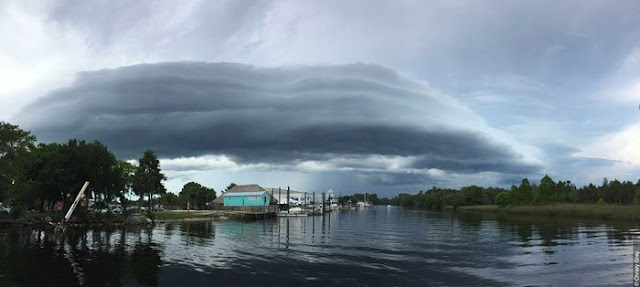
<point x="380" y="247"/>
<point x="76" y="258"/>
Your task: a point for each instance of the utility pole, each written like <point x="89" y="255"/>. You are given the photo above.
<point x="288" y="198"/>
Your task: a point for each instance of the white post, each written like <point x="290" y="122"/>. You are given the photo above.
<point x="75" y="202"/>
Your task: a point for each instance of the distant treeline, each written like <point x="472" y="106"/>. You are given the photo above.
<point x="546" y="192"/>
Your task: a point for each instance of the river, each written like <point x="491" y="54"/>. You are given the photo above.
<point x="385" y="246"/>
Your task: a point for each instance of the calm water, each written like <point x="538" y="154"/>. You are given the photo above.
<point x="381" y="247"/>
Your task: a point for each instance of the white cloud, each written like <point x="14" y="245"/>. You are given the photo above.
<point x="511" y="82"/>
<point x="622" y="145"/>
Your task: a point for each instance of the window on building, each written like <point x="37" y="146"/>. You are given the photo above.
<point x="253" y="198"/>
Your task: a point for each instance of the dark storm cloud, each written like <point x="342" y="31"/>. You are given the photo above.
<point x="269" y="115"/>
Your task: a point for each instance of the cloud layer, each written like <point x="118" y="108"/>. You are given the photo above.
<point x="304" y="117"/>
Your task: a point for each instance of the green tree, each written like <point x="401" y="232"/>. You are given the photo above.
<point x="197" y="195"/>
<point x="547" y="190"/>
<point x="95" y="163"/>
<point x="230" y="186"/>
<point x="15" y="146"/>
<point x="58" y="172"/>
<point x="148" y="177"/>
<point x="504" y="198"/>
<point x="169" y="200"/>
<point x="127" y="171"/>
<point x="523" y="194"/>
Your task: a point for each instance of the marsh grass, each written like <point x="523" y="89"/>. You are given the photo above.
<point x="585" y="211"/>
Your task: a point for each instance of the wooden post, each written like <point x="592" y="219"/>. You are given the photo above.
<point x="75" y="202"/>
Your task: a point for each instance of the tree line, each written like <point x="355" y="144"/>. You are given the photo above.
<point x="193" y="196"/>
<point x="547" y="191"/>
<point x="40" y="175"/>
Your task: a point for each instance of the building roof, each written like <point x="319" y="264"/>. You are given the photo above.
<point x="243" y="188"/>
<point x="274" y="191"/>
<point x="245" y="193"/>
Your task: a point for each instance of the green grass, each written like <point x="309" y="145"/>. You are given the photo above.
<point x="585" y="211"/>
<point x="480" y="208"/>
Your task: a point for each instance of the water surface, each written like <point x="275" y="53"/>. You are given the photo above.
<point x="377" y="247"/>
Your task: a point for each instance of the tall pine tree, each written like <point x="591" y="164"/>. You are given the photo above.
<point x="148" y="177"/>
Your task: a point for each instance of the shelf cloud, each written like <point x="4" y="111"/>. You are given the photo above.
<point x="289" y="116"/>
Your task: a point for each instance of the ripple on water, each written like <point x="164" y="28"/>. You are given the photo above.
<point x="382" y="247"/>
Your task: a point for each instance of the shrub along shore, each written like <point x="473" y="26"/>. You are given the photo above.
<point x="112" y="219"/>
<point x="567" y="210"/>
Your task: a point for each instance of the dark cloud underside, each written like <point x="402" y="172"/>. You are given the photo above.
<point x="268" y="115"/>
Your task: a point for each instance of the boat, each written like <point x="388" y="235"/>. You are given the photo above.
<point x="293" y="212"/>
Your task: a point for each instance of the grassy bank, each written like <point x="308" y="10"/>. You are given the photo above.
<point x="585" y="211"/>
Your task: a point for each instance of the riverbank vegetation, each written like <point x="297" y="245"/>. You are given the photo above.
<point x="547" y="192"/>
<point x="611" y="200"/>
<point x="44" y="178"/>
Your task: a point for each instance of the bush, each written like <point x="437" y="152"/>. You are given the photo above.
<point x="80" y="214"/>
<point x="151" y="216"/>
<point x="503" y="198"/>
<point x="16" y="212"/>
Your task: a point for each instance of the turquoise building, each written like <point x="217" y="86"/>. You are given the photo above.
<point x="246" y="198"/>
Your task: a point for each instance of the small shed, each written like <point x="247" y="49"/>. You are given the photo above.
<point x="246" y="198"/>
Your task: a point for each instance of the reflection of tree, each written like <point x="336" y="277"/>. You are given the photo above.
<point x="169" y="228"/>
<point x="145" y="262"/>
<point x="549" y="230"/>
<point x="525" y="232"/>
<point x="77" y="257"/>
<point x="197" y="232"/>
<point x="471" y="220"/>
<point x="619" y="234"/>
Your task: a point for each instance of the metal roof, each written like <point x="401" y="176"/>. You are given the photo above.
<point x="246" y="188"/>
<point x="244" y="193"/>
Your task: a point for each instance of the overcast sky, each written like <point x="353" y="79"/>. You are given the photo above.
<point x="376" y="96"/>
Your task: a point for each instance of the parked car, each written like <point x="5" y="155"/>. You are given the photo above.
<point x="4" y="208"/>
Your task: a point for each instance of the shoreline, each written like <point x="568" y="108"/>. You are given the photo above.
<point x="119" y="220"/>
<point x="629" y="213"/>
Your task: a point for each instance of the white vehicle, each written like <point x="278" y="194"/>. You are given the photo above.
<point x="4" y="208"/>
